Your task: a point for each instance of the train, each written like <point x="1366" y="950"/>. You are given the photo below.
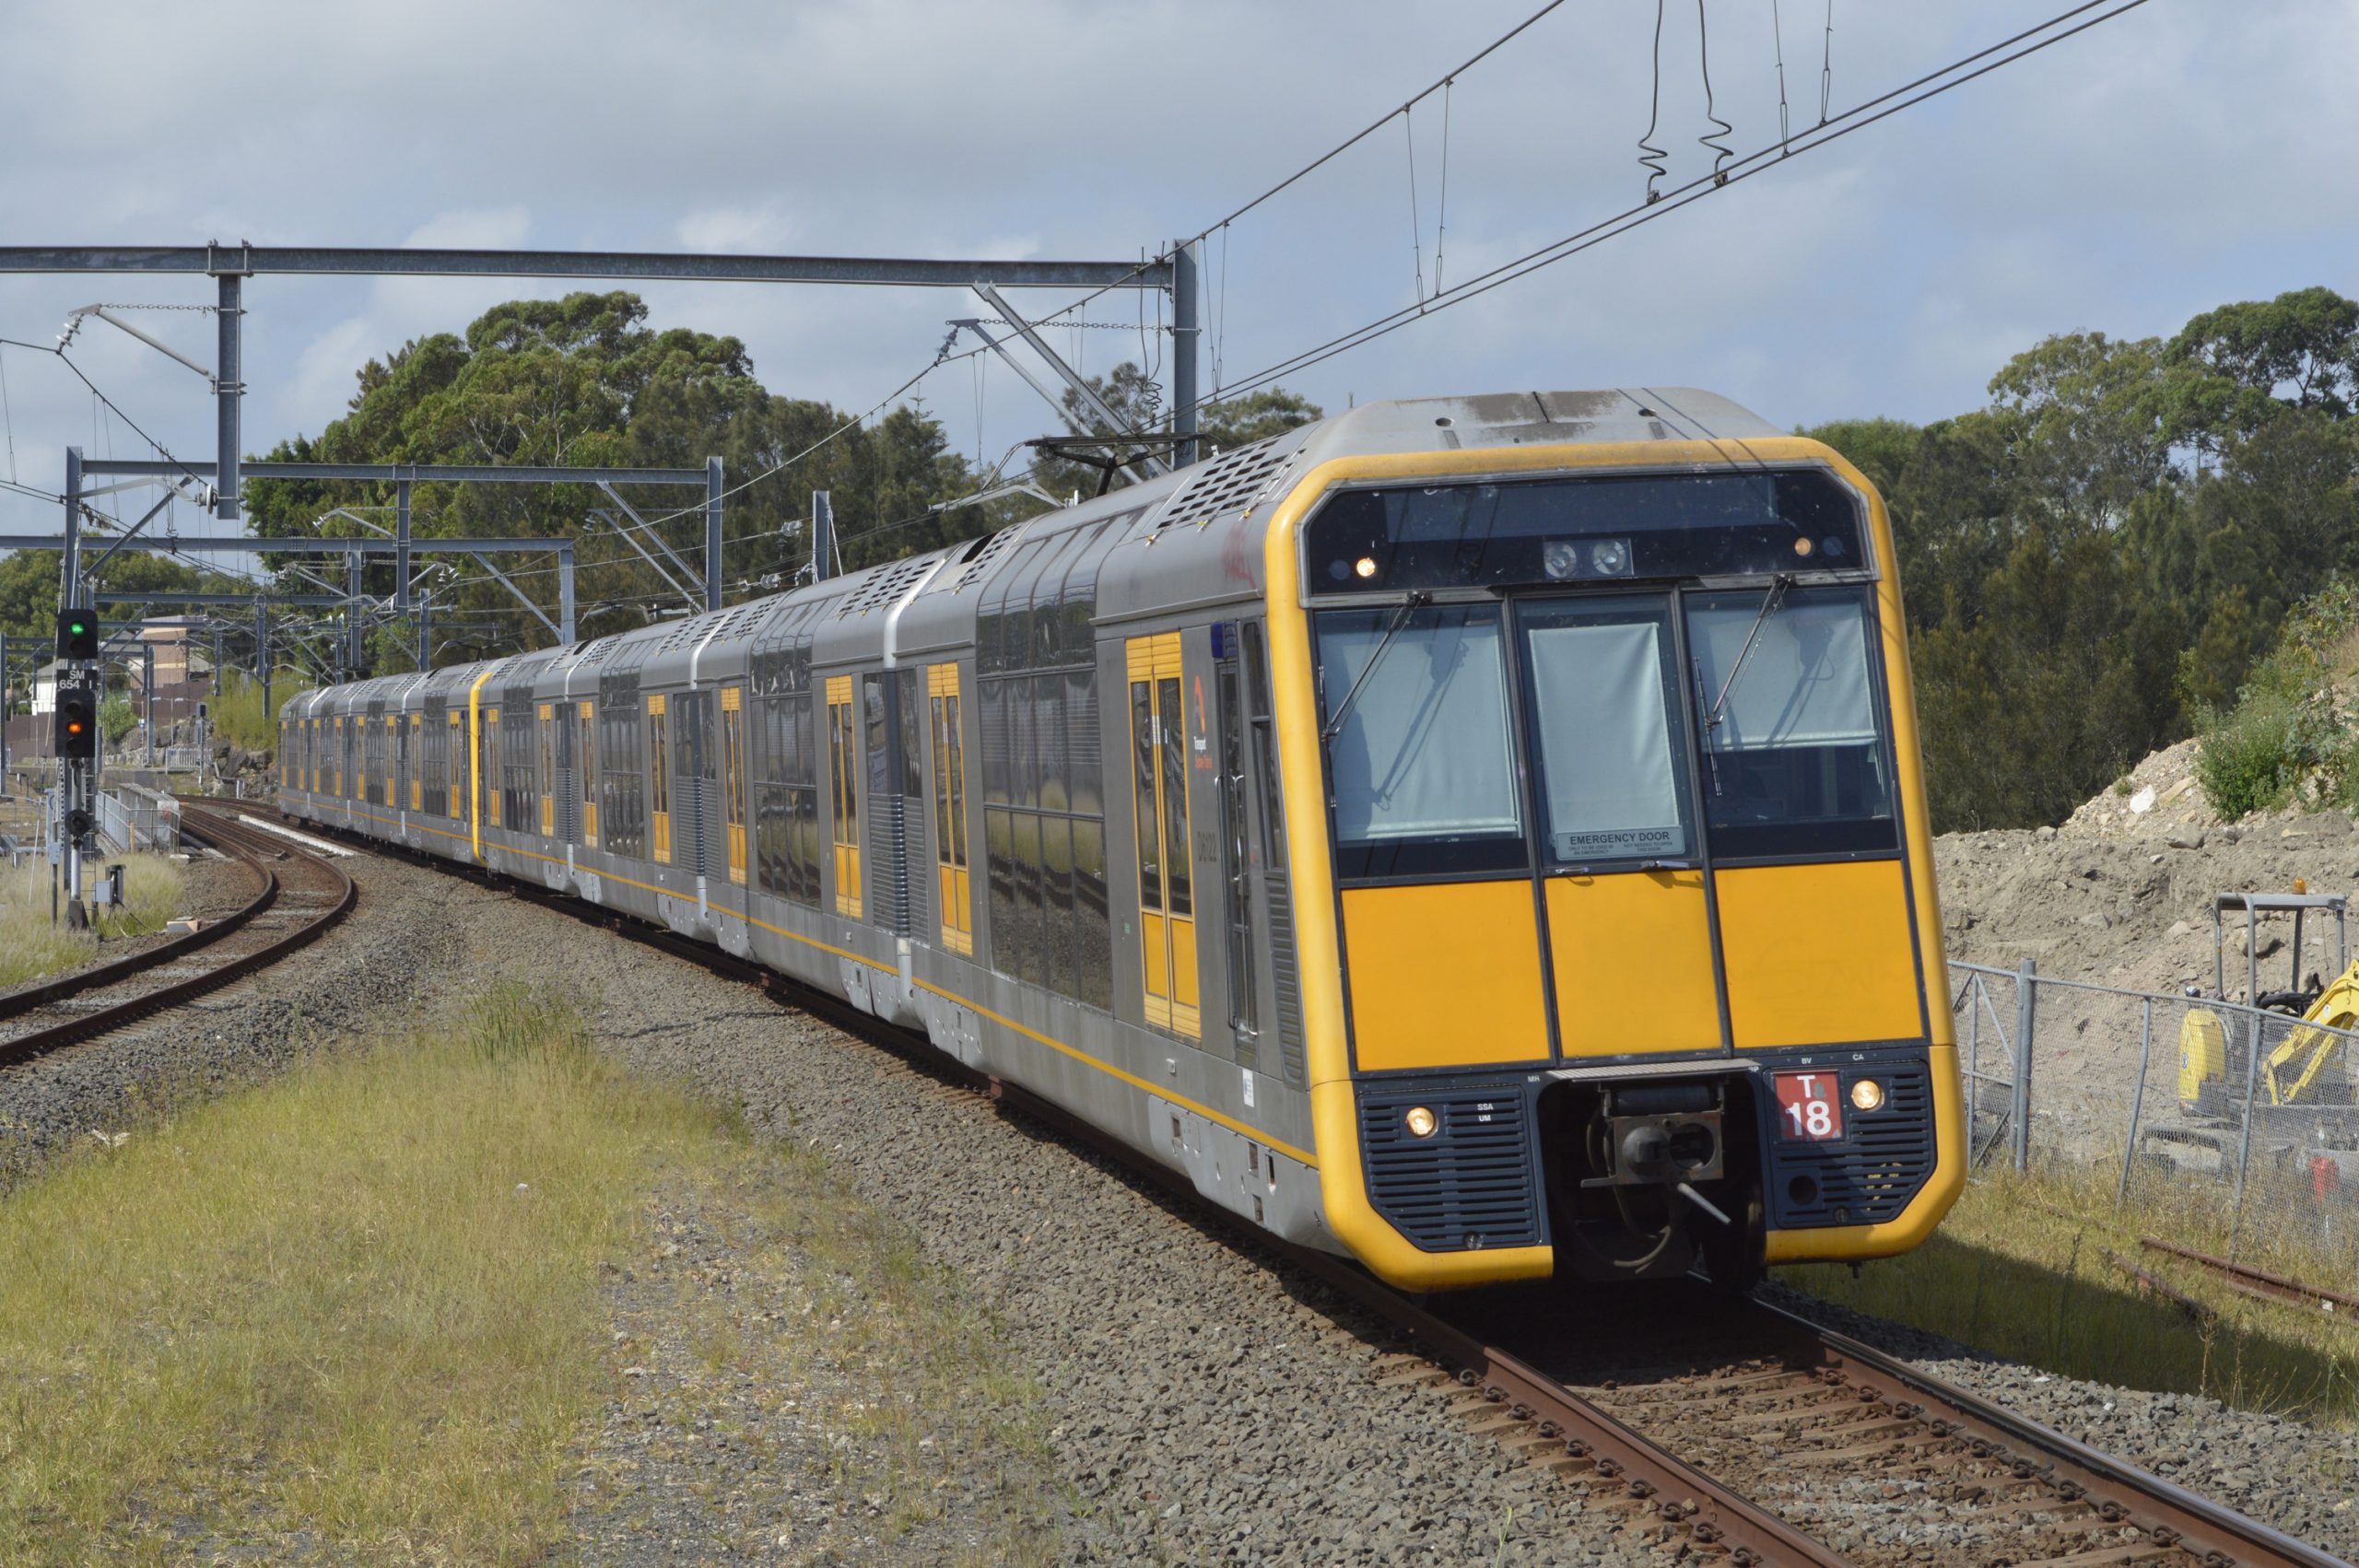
<point x="1485" y="837"/>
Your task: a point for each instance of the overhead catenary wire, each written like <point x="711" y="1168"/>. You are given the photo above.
<point x="1932" y="85"/>
<point x="1439" y="84"/>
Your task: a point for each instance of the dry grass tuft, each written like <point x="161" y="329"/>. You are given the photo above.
<point x="357" y="1313"/>
<point x="31" y="948"/>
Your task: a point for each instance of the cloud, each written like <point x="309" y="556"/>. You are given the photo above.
<point x="2178" y="157"/>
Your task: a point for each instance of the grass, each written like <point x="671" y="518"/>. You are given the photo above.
<point x="357" y="1312"/>
<point x="32" y="948"/>
<point x="2021" y="1270"/>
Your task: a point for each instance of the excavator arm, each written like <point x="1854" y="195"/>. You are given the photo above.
<point x="2306" y="1055"/>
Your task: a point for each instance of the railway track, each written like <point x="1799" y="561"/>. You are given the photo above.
<point x="299" y="895"/>
<point x="1723" y="1430"/>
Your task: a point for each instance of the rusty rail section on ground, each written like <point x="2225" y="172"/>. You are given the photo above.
<point x="225" y="833"/>
<point x="2260" y="1283"/>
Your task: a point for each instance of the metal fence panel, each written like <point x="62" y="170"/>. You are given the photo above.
<point x="2234" y="1126"/>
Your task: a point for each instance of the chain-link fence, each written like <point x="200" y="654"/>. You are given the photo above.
<point x="2232" y="1127"/>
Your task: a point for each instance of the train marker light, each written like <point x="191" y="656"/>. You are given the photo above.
<point x="1802" y="547"/>
<point x="1420" y="1122"/>
<point x="1867" y="1095"/>
<point x="1365" y="566"/>
<point x="1611" y="557"/>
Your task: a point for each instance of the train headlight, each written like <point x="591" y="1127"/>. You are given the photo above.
<point x="1610" y="557"/>
<point x="1420" y="1122"/>
<point x="1561" y="559"/>
<point x="1867" y="1095"/>
<point x="1365" y="566"/>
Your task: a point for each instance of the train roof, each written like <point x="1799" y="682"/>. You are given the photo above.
<point x="1226" y="487"/>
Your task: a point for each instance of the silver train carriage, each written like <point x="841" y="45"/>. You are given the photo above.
<point x="1481" y="836"/>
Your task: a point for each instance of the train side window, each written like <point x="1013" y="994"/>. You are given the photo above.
<point x="1265" y="747"/>
<point x="732" y="777"/>
<point x="843" y="772"/>
<point x="1237" y="840"/>
<point x="413" y="760"/>
<point x="658" y="778"/>
<point x="455" y="743"/>
<point x="393" y="758"/>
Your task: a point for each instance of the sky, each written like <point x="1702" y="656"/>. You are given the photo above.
<point x="2188" y="154"/>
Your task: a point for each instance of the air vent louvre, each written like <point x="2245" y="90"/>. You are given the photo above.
<point x="883" y="587"/>
<point x="1226" y="486"/>
<point x="1471" y="1185"/>
<point x="981" y="567"/>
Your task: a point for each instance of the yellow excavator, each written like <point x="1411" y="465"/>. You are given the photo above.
<point x="2305" y="1067"/>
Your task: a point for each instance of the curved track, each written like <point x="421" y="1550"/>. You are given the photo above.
<point x="301" y="896"/>
<point x="1726" y="1429"/>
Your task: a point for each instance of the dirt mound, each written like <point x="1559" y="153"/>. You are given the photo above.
<point x="2121" y="894"/>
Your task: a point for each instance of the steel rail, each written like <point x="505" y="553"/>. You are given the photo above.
<point x="2170" y="1515"/>
<point x="205" y="825"/>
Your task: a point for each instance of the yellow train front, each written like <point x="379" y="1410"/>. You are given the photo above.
<point x="1482" y="836"/>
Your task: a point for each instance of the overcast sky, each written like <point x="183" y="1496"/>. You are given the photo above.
<point x="2191" y="153"/>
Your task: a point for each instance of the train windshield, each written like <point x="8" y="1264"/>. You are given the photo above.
<point x="1757" y="709"/>
<point x="1604" y="707"/>
<point x="1793" y="755"/>
<point x="1421" y="759"/>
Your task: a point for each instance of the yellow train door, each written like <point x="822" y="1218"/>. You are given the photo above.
<point x="659" y="777"/>
<point x="844" y="775"/>
<point x="1160" y="794"/>
<point x="548" y="771"/>
<point x="950" y="809"/>
<point x="454" y="744"/>
<point x="392" y="760"/>
<point x="489" y="764"/>
<point x="732" y="777"/>
<point x="417" y="762"/>
<point x="585" y="755"/>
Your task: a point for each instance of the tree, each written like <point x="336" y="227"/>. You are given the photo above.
<point x="116" y="718"/>
<point x="1137" y="402"/>
<point x="2302" y="346"/>
<point x="585" y="380"/>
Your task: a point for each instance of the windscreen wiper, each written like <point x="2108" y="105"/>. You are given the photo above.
<point x="1399" y="618"/>
<point x="1769" y="603"/>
